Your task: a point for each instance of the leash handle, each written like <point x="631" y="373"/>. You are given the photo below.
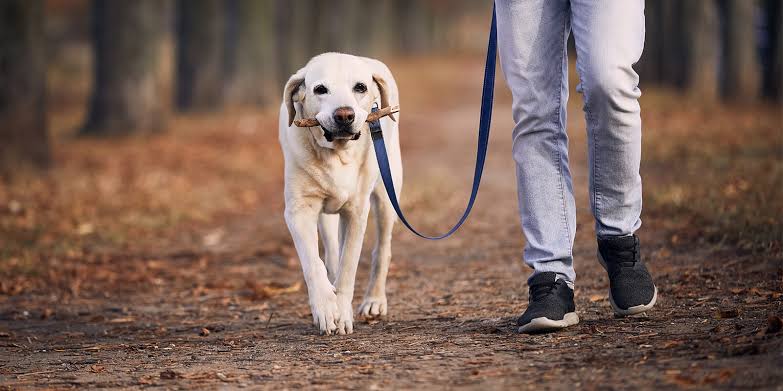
<point x="487" y="96"/>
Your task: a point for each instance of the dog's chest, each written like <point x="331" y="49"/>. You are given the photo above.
<point x="341" y="183"/>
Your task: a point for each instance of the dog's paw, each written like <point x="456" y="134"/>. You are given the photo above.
<point x="373" y="307"/>
<point x="345" y="324"/>
<point x="323" y="304"/>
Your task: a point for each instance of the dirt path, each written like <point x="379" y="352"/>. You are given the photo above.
<point x="227" y="309"/>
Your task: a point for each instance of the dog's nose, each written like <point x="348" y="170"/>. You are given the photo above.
<point x="344" y="116"/>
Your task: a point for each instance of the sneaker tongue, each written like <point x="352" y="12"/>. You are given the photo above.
<point x="543" y="278"/>
<point x="622" y="242"/>
<point x="621" y="251"/>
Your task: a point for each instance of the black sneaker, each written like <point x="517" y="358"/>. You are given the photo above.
<point x="631" y="289"/>
<point x="551" y="305"/>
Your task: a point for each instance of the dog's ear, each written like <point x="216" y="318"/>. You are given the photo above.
<point x="292" y="93"/>
<point x="383" y="89"/>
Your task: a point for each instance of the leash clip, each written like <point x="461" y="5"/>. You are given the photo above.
<point x="375" y="126"/>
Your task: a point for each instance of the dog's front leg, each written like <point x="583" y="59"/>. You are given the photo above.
<point x="353" y="219"/>
<point x="301" y="217"/>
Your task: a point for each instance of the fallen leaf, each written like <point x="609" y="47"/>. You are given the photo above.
<point x="259" y="307"/>
<point x="682" y="380"/>
<point x="766" y="293"/>
<point x="596" y="298"/>
<point x="126" y="319"/>
<point x="726" y="374"/>
<point x="718" y="377"/>
<point x="47" y="313"/>
<point x="95" y="368"/>
<point x="261" y="291"/>
<point x="671" y="344"/>
<point x="85" y="229"/>
<point x="213" y="238"/>
<point x="204" y="332"/>
<point x="169" y="374"/>
<point x="15" y="207"/>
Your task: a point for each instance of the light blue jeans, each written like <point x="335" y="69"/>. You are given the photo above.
<point x="609" y="36"/>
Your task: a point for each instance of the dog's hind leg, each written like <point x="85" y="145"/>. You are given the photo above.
<point x="329" y="231"/>
<point x="374" y="303"/>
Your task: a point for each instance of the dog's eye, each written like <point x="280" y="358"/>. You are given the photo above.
<point x="320" y="90"/>
<point x="360" y="88"/>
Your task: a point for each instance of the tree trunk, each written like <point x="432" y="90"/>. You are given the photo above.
<point x="249" y="49"/>
<point x="340" y="25"/>
<point x="286" y="49"/>
<point x="24" y="141"/>
<point x="680" y="48"/>
<point x="700" y="53"/>
<point x="650" y="66"/>
<point x="777" y="55"/>
<point x="299" y="35"/>
<point x="200" y="54"/>
<point x="673" y="47"/>
<point x="359" y="29"/>
<point x="127" y="39"/>
<point x="442" y="14"/>
<point x="283" y="12"/>
<point x="380" y="37"/>
<point x="412" y="17"/>
<point x="739" y="68"/>
<point x="772" y="85"/>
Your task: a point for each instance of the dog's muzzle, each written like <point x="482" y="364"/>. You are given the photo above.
<point x="340" y="135"/>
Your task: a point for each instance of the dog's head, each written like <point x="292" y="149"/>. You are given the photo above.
<point x="338" y="90"/>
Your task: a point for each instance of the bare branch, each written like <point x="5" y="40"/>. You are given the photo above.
<point x="310" y="122"/>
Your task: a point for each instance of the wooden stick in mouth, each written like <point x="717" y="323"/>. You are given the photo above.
<point x="389" y="110"/>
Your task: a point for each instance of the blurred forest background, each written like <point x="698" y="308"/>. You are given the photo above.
<point x="141" y="233"/>
<point x="128" y="65"/>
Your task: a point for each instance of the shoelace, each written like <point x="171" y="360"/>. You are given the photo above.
<point x="628" y="255"/>
<point x="539" y="291"/>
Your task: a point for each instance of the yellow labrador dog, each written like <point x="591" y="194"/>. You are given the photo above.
<point x="332" y="181"/>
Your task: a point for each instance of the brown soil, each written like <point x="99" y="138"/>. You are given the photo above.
<point x="165" y="263"/>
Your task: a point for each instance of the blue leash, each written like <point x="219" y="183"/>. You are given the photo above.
<point x="483" y="140"/>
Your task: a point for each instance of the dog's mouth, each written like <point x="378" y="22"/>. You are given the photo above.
<point x="340" y="134"/>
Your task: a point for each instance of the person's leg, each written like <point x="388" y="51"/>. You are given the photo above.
<point x="609" y="37"/>
<point x="532" y="38"/>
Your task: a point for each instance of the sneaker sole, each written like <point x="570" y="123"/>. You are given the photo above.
<point x="635" y="310"/>
<point x="546" y="324"/>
